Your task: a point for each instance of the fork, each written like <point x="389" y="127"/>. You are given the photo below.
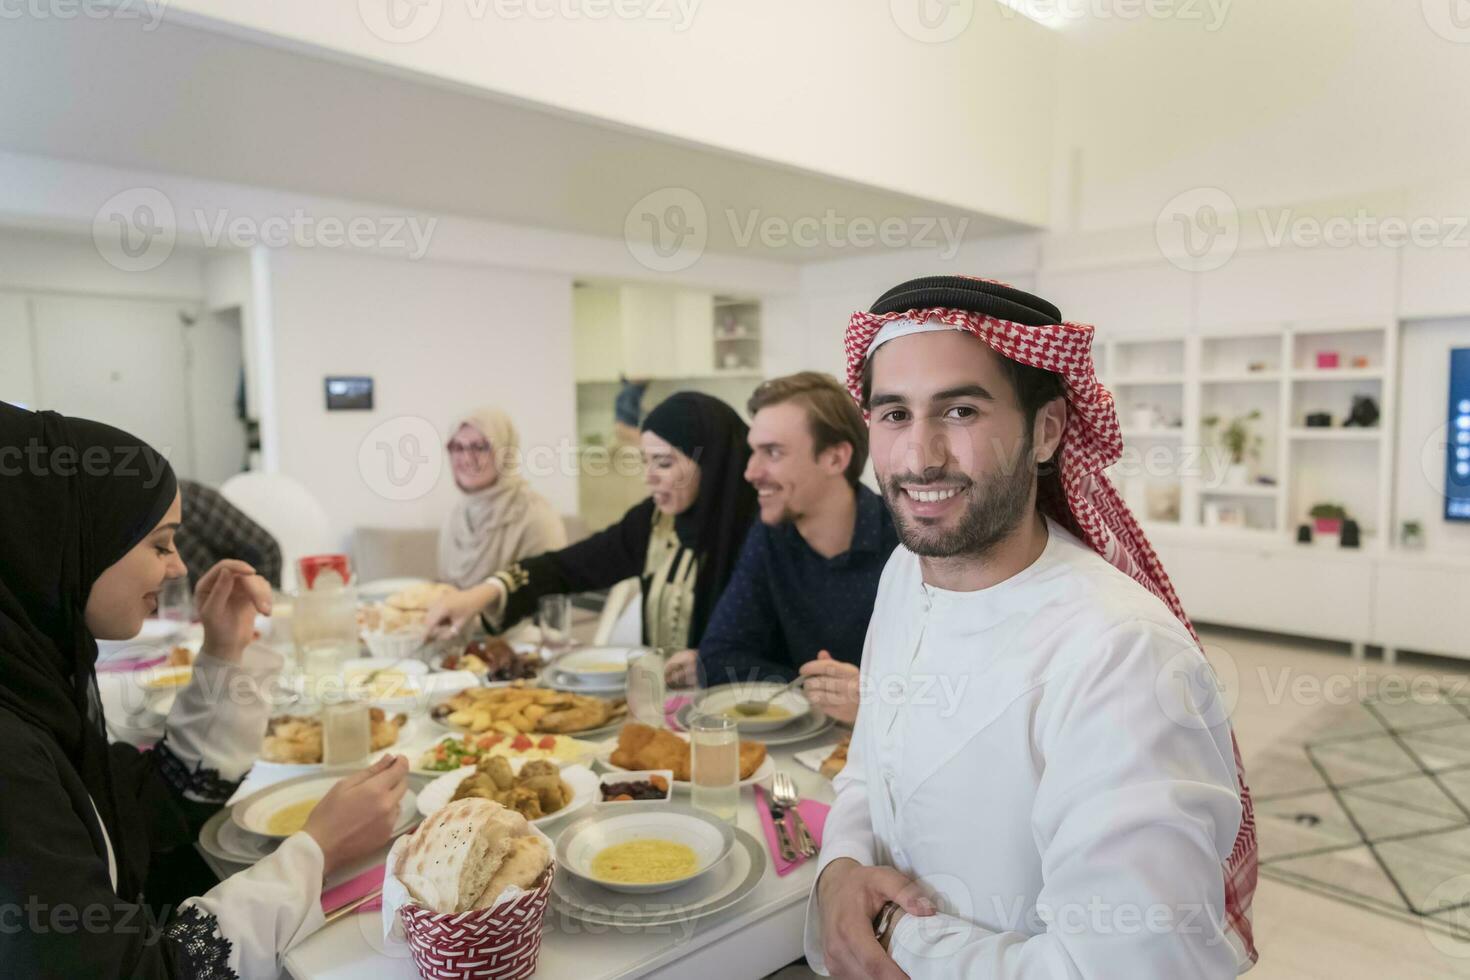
<point x="783" y="791"/>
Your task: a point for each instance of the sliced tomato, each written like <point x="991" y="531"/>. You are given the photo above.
<point x="521" y="743"/>
<point x="547" y="742"/>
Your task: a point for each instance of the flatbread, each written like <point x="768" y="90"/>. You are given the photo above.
<point x="456" y="851"/>
<point x="523" y="865"/>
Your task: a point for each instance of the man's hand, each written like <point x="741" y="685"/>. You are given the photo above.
<point x="682" y="669"/>
<point x="228" y="596"/>
<point x="832" y="685"/>
<point x="849" y="897"/>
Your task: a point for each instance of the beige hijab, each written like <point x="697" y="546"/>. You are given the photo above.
<point x="492" y="528"/>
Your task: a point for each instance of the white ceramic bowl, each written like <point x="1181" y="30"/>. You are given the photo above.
<point x="635" y="776"/>
<point x="395" y="645"/>
<point x="580" y="843"/>
<point x="722" y="700"/>
<point x="596" y="666"/>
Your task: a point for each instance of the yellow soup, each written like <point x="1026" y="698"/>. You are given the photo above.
<point x="773" y="712"/>
<point x="287" y="820"/>
<point x="645" y="862"/>
<point x="601" y="667"/>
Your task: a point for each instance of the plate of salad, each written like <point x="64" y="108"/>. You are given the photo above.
<point x="454" y="751"/>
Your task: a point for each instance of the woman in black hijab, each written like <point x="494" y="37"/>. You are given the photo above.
<point x="86" y="542"/>
<point x="681" y="542"/>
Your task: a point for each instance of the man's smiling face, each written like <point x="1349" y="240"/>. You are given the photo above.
<point x="951" y="445"/>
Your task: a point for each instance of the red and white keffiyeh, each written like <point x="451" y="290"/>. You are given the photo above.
<point x="1091" y="442"/>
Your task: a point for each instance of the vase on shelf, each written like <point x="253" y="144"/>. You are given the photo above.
<point x="1237" y="475"/>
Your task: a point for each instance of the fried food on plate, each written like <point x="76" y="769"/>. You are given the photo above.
<point x="536" y="791"/>
<point x="835" y="762"/>
<point x="299" y="740"/>
<point x="521" y="710"/>
<point x="642" y="747"/>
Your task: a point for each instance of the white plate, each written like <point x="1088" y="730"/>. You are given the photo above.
<point x="813" y="758"/>
<point x="558" y="681"/>
<point x="729" y="882"/>
<point x="763" y="772"/>
<point x="580" y="666"/>
<point x="717" y="700"/>
<point x="580" y="843"/>
<point x="224" y="839"/>
<point x="583" y="781"/>
<point x="253" y="813"/>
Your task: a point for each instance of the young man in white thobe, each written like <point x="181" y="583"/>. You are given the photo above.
<point x="1042" y="781"/>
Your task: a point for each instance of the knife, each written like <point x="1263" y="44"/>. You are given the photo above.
<point x="808" y="846"/>
<point x="783" y="838"/>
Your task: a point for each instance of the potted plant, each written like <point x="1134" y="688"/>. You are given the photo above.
<point x="1328" y="518"/>
<point x="1240" y="442"/>
<point x="1412" y="534"/>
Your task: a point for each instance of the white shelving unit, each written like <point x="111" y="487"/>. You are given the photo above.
<point x="1174" y="471"/>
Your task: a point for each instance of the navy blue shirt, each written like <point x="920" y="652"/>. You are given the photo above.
<point x="784" y="602"/>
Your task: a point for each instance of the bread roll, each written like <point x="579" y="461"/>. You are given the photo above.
<point x="456" y="851"/>
<point x="523" y="865"/>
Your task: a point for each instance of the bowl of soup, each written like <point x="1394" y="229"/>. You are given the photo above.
<point x="641" y="851"/>
<point x="781" y="711"/>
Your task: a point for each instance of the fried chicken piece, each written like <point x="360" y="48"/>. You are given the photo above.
<point x="476" y="785"/>
<point x="580" y="715"/>
<point x="752" y="754"/>
<point x="642" y="747"/>
<point x="837" y="761"/>
<point x="497" y="769"/>
<point x="384" y="729"/>
<point x="293" y="740"/>
<point x="526" y="802"/>
<point x="539" y="767"/>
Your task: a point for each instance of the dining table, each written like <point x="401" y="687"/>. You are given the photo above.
<point x="757" y="936"/>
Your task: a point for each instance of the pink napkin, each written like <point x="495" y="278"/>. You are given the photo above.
<point x="815" y="815"/>
<point x="118" y="666"/>
<point x="671" y="708"/>
<point x="353" y="889"/>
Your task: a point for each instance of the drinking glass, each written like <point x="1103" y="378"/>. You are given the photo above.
<point x="175" y="602"/>
<point x="646" y="693"/>
<point x="554" y="617"/>
<point x="347" y="736"/>
<point x="715" y="764"/>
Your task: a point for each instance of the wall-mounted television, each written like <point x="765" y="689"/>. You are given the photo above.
<point x="1457" y="443"/>
<point x="352" y="394"/>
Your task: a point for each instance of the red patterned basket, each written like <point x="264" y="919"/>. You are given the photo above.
<point x="500" y="943"/>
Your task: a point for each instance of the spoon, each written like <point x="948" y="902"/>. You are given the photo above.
<point x="754" y="707"/>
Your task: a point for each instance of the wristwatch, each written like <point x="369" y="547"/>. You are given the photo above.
<point x="884" y="921"/>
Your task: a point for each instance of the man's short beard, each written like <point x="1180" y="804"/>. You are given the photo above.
<point x="996" y="509"/>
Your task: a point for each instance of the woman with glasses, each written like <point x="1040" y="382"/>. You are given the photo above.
<point x="499" y="519"/>
<point x="681" y="542"/>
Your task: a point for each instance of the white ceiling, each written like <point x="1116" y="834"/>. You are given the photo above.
<point x="185" y="101"/>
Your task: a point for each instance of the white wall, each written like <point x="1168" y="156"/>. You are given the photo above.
<point x="1281" y="102"/>
<point x="439" y="339"/>
<point x="828" y="86"/>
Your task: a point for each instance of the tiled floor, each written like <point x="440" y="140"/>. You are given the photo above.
<point x="1281" y="688"/>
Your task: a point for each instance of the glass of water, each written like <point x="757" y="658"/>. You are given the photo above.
<point x="715" y="764"/>
<point x="646" y="692"/>
<point x="554" y="617"/>
<point x="175" y="601"/>
<point x="347" y="735"/>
